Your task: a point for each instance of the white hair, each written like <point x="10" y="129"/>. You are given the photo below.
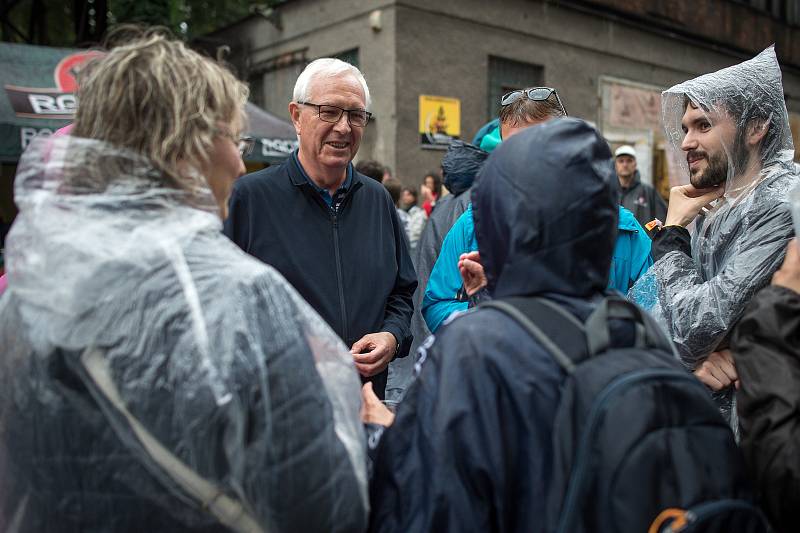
<point x="327" y="67"/>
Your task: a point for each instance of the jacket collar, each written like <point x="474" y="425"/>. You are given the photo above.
<point x="627" y="222"/>
<point x="297" y="174"/>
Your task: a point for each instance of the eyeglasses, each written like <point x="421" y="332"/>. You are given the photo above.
<point x="537" y="94"/>
<point x="244" y="143"/>
<point x="331" y="113"/>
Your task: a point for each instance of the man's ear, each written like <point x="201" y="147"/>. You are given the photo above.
<point x="756" y="130"/>
<point x="294" y="112"/>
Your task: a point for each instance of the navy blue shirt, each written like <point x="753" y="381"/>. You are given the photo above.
<point x="326" y="196"/>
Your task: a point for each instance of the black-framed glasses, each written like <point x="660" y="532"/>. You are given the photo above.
<point x="537" y="94"/>
<point x="245" y="144"/>
<point x="331" y="113"/>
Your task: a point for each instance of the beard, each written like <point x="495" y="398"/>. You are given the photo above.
<point x="715" y="173"/>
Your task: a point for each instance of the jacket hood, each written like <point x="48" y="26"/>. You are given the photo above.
<point x="460" y="165"/>
<point x="488" y="137"/>
<point x="545" y="212"/>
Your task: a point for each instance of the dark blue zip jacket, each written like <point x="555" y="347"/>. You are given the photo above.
<point x="471" y="447"/>
<point x="352" y="265"/>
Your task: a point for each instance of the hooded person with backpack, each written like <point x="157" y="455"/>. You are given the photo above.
<point x="585" y="421"/>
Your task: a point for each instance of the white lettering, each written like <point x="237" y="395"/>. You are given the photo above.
<point x="42" y="104"/>
<point x="67" y="102"/>
<point x="28" y="134"/>
<point x="277" y="146"/>
<point x="63" y="104"/>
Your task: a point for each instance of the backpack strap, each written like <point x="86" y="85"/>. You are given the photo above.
<point x="229" y="511"/>
<point x="558" y="331"/>
<point x="647" y="331"/>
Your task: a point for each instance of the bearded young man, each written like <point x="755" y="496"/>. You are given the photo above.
<point x="730" y="134"/>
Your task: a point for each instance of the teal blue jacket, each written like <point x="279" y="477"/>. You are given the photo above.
<point x="630" y="261"/>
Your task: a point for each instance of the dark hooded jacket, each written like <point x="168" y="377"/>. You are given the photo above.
<point x="473" y="435"/>
<point x="766" y="347"/>
<point x="460" y="165"/>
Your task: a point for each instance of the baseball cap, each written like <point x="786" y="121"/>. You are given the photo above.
<point x="625" y="149"/>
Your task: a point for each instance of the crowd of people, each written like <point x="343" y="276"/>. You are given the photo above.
<point x="532" y="340"/>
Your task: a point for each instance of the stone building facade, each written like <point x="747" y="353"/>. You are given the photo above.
<point x="609" y="60"/>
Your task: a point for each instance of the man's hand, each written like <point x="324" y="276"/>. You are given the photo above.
<point x="789" y="274"/>
<point x="718" y="371"/>
<point x="373" y="411"/>
<point x="685" y="202"/>
<point x="373" y="352"/>
<point x="472" y="272"/>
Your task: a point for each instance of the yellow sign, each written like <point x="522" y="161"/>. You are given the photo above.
<point x="439" y="119"/>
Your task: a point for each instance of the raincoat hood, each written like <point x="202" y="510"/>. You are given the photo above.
<point x="210" y="350"/>
<point x="736" y="101"/>
<point x="460" y="165"/>
<point x="488" y="137"/>
<point x="545" y="213"/>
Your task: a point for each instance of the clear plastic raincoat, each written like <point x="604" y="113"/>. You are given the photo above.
<point x="740" y="242"/>
<point x="154" y="377"/>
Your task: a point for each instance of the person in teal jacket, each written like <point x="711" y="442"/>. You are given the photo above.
<point x="630" y="260"/>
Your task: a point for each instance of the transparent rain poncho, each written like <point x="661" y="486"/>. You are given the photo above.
<point x="740" y="242"/>
<point x="213" y="357"/>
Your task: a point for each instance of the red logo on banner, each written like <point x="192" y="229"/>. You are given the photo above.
<point x="68" y="67"/>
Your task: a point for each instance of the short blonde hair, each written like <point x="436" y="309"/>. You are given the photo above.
<point x="159" y="99"/>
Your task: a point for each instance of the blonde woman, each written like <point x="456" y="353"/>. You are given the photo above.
<point x="153" y="377"/>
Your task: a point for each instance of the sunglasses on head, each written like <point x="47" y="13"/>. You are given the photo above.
<point x="537" y="94"/>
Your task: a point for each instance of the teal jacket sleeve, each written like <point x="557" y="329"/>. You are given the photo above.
<point x="631" y="257"/>
<point x="440" y="300"/>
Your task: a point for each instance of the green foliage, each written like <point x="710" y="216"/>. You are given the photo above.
<point x="151" y="12"/>
<point x="79" y="22"/>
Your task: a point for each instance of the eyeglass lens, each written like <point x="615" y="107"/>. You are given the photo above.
<point x="332" y="114"/>
<point x="245" y="145"/>
<point x="537" y="93"/>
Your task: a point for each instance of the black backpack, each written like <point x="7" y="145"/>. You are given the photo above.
<point x="639" y="445"/>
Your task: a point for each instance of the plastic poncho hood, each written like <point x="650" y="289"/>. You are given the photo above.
<point x="460" y="165"/>
<point x="545" y="215"/>
<point x="736" y="101"/>
<point x="212" y="352"/>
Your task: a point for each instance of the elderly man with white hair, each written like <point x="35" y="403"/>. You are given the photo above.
<point x="332" y="232"/>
